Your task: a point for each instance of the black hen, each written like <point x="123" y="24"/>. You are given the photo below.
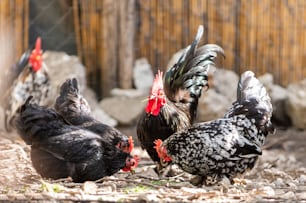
<point x="72" y="106"/>
<point x="59" y="150"/>
<point x="224" y="147"/>
<point x="172" y="104"/>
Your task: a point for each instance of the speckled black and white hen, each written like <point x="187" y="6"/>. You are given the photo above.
<point x="228" y="146"/>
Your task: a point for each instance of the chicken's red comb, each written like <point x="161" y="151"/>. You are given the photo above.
<point x="131" y="144"/>
<point x="38" y="44"/>
<point x="158" y="82"/>
<point x="36" y="56"/>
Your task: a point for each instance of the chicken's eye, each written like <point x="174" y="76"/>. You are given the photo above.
<point x="119" y="145"/>
<point x="153" y="96"/>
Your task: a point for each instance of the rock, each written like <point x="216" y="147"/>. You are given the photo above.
<point x="289" y="195"/>
<point x="279" y="182"/>
<point x="225" y="83"/>
<point x="266" y="190"/>
<point x="221" y="94"/>
<point x="302" y="179"/>
<point x="89" y="187"/>
<point x="278" y="97"/>
<point x="267" y="80"/>
<point x="143" y="75"/>
<point x="90" y="97"/>
<point x="97" y="112"/>
<point x="296" y="105"/>
<point x="212" y="105"/>
<point x="61" y="67"/>
<point x="103" y="117"/>
<point x="132" y="93"/>
<point x="125" y="110"/>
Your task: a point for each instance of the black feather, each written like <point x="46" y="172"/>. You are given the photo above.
<point x="72" y="106"/>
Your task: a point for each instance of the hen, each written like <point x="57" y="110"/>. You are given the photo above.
<point x="59" y="150"/>
<point x="172" y="104"/>
<point x="73" y="107"/>
<point x="33" y="80"/>
<point x="228" y="146"/>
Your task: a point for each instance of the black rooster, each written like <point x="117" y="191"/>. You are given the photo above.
<point x="172" y="104"/>
<point x="59" y="150"/>
<point x="32" y="80"/>
<point x="73" y="107"/>
<point x="224" y="147"/>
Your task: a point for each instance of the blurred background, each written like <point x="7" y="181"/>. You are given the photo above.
<point x="108" y="36"/>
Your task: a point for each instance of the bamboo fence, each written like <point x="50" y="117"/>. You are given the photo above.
<point x="13" y="36"/>
<point x="13" y="29"/>
<point x="260" y="35"/>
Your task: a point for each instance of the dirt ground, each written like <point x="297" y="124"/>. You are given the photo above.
<point x="280" y="176"/>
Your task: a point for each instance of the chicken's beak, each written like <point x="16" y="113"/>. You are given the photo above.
<point x="132" y="171"/>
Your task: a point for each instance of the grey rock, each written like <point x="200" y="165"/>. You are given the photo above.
<point x="97" y="112"/>
<point x="131" y="93"/>
<point x="102" y="116"/>
<point x="267" y="80"/>
<point x="278" y="96"/>
<point x="61" y="66"/>
<point x="222" y="92"/>
<point x="225" y="83"/>
<point x="212" y="105"/>
<point x="296" y="105"/>
<point x="143" y="75"/>
<point x="125" y="110"/>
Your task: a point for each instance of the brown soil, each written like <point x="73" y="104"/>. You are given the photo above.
<point x="280" y="176"/>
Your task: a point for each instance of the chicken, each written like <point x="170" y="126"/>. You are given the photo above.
<point x="72" y="106"/>
<point x="32" y="80"/>
<point x="226" y="147"/>
<point x="172" y="103"/>
<point x="60" y="150"/>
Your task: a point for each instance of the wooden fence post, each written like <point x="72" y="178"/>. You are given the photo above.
<point x="126" y="42"/>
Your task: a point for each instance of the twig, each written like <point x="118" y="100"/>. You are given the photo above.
<point x="177" y="176"/>
<point x="69" y="179"/>
<point x="147" y="177"/>
<point x="275" y="142"/>
<point x="130" y="181"/>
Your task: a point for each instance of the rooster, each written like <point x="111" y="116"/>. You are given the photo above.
<point x="60" y="150"/>
<point x="172" y="104"/>
<point x="226" y="147"/>
<point x="73" y="107"/>
<point x="32" y="80"/>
